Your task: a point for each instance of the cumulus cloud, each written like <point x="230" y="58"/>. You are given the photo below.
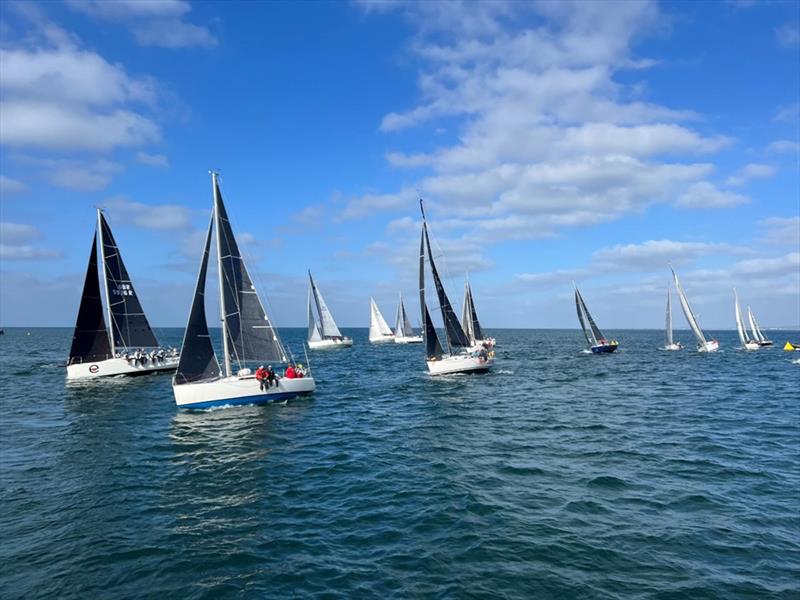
<point x="783" y="146"/>
<point x="749" y="172"/>
<point x="18" y="241"/>
<point x="706" y="195"/>
<point x="152" y="216"/>
<point x="85" y="175"/>
<point x="781" y="231"/>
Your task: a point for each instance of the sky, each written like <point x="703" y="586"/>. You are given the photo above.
<point x="595" y="142"/>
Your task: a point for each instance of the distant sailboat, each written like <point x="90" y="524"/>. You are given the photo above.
<point x="594" y="337"/>
<point x="129" y="346"/>
<point x="323" y="333"/>
<point x="458" y="359"/>
<point x="469" y="320"/>
<point x="379" y="330"/>
<point x="403" y="332"/>
<point x="671" y="344"/>
<point x="703" y="345"/>
<point x="248" y="337"/>
<point x="758" y="336"/>
<point x="747" y="344"/>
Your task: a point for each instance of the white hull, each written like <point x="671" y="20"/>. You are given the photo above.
<point x="408" y="339"/>
<point x="232" y="391"/>
<point x="709" y="346"/>
<point x="460" y="363"/>
<point x="119" y="366"/>
<point x="382" y="339"/>
<point x="751" y="346"/>
<point x="673" y="347"/>
<point x="324" y="344"/>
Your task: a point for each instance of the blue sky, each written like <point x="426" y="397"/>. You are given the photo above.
<point x="552" y="141"/>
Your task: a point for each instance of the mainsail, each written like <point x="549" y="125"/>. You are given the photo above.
<point x="433" y="349"/>
<point x="249" y="333"/>
<point x="378" y="327"/>
<point x="128" y="322"/>
<point x="90" y="340"/>
<point x="402" y="326"/>
<point x="669" y="318"/>
<point x="739" y="323"/>
<point x="757" y="334"/>
<point x="592" y="332"/>
<point x="687" y="311"/>
<point x="469" y="316"/>
<point x="328" y="325"/>
<point x="198" y="361"/>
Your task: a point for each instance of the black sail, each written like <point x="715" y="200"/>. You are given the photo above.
<point x="579" y="308"/>
<point x="90" y="339"/>
<point x="476" y="326"/>
<point x="251" y="336"/>
<point x="452" y="328"/>
<point x="128" y="322"/>
<point x="433" y="349"/>
<point x="198" y="361"/>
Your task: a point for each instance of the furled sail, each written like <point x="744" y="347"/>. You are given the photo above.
<point x="313" y="330"/>
<point x="402" y="324"/>
<point x="198" y="361"/>
<point x="328" y="325"/>
<point x="739" y="323"/>
<point x="452" y="328"/>
<point x="90" y="339"/>
<point x="687" y="311"/>
<point x="378" y="327"/>
<point x="669" y="318"/>
<point x="129" y="324"/>
<point x="250" y="334"/>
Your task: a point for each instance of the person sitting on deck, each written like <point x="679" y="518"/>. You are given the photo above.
<point x="272" y="378"/>
<point x="290" y="372"/>
<point x="261" y="377"/>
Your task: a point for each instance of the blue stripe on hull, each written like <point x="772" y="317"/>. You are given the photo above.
<point x="245" y="400"/>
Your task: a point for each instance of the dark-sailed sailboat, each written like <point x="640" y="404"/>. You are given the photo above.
<point x="459" y="357"/>
<point x="128" y="346"/>
<point x="470" y="322"/>
<point x="594" y="337"/>
<point x="248" y="337"/>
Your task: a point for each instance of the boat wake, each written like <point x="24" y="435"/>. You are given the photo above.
<point x="505" y="372"/>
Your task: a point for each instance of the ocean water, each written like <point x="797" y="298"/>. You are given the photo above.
<point x="642" y="474"/>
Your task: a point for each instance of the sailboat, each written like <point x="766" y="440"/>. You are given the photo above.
<point x="598" y="344"/>
<point x="747" y="344"/>
<point x="469" y="320"/>
<point x="671" y="344"/>
<point x="703" y="345"/>
<point x="758" y="336"/>
<point x="128" y="346"/>
<point x="379" y="330"/>
<point x="324" y="334"/>
<point x="403" y="331"/>
<point x="460" y="357"/>
<point x="248" y="336"/>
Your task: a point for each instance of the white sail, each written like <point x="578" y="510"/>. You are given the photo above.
<point x="327" y="324"/>
<point x="739" y="324"/>
<point x="313" y="330"/>
<point x="687" y="312"/>
<point x="757" y="334"/>
<point x="466" y="315"/>
<point x="378" y="327"/>
<point x="669" y="318"/>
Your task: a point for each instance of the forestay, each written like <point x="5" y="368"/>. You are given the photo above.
<point x="129" y="325"/>
<point x="90" y="340"/>
<point x="328" y="325"/>
<point x="687" y="311"/>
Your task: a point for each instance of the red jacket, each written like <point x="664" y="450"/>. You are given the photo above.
<point x="261" y="374"/>
<point x="290" y="373"/>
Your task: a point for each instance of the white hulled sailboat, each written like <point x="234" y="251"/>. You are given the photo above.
<point x="598" y="344"/>
<point x="248" y="336"/>
<point x="324" y="334"/>
<point x="379" y="330"/>
<point x="469" y="320"/>
<point x="758" y="335"/>
<point x="458" y="359"/>
<point x="129" y="346"/>
<point x="747" y="344"/>
<point x="403" y="332"/>
<point x="671" y="344"/>
<point x="703" y="345"/>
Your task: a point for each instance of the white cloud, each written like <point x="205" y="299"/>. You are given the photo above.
<point x="782" y="146"/>
<point x="749" y="172"/>
<point x="153" y="22"/>
<point x="705" y="195"/>
<point x="788" y="114"/>
<point x="86" y="175"/>
<point x="781" y="231"/>
<point x="9" y="186"/>
<point x="152" y="216"/>
<point x="152" y="160"/>
<point x="654" y="254"/>
<point x="17" y="242"/>
<point x="788" y="35"/>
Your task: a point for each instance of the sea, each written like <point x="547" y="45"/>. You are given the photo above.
<point x="560" y="474"/>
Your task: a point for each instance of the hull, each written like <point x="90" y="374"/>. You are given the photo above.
<point x="460" y="363"/>
<point x="604" y="348"/>
<point x="382" y="339"/>
<point x="119" y="366"/>
<point x="709" y="346"/>
<point x="751" y="346"/>
<point x="408" y="339"/>
<point x="237" y="391"/>
<point x="673" y="347"/>
<point x="324" y="344"/>
<point x="765" y="343"/>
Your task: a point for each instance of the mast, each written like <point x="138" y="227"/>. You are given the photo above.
<point x="105" y="286"/>
<point x="220" y="274"/>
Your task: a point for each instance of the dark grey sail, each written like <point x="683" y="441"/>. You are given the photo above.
<point x="452" y="328"/>
<point x="433" y="349"/>
<point x="90" y="340"/>
<point x="579" y="308"/>
<point x="198" y="361"/>
<point x="593" y="328"/>
<point x="477" y="332"/>
<point x="129" y="324"/>
<point x="403" y="326"/>
<point x="251" y="336"/>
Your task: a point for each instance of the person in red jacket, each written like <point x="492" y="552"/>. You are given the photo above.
<point x="261" y="377"/>
<point x="290" y="372"/>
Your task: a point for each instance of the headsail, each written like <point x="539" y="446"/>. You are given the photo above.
<point x="328" y="325"/>
<point x="669" y="317"/>
<point x="402" y="326"/>
<point x="583" y="317"/>
<point x="90" y="339"/>
<point x="433" y="349"/>
<point x="378" y="327"/>
<point x="129" y="325"/>
<point x="313" y="330"/>
<point x="476" y="332"/>
<point x="757" y="333"/>
<point x="249" y="332"/>
<point x="687" y="311"/>
<point x="739" y="323"/>
<point x="198" y="361"/>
